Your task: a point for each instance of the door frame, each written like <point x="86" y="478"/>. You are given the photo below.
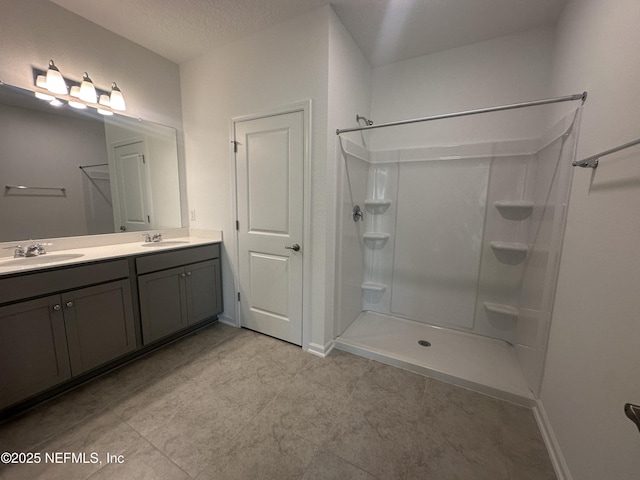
<point x="305" y="108"/>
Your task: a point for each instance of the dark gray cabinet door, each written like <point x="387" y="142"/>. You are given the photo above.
<point x="204" y="293"/>
<point x="33" y="349"/>
<point x="99" y="323"/>
<point x="163" y="304"/>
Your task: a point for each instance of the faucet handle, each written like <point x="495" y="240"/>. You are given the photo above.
<point x="40" y="247"/>
<point x="147" y="237"/>
<point x="18" y="251"/>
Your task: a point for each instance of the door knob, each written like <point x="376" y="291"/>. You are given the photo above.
<point x="295" y="247"/>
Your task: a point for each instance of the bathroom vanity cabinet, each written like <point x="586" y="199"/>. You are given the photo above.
<point x="63" y="325"/>
<point x="33" y="349"/>
<point x="177" y="290"/>
<point x="69" y="331"/>
<point x="99" y="324"/>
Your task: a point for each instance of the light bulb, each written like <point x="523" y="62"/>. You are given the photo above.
<point x="55" y="81"/>
<point x="116" y="99"/>
<point x="87" y="90"/>
<point x="44" y="96"/>
<point x="78" y="105"/>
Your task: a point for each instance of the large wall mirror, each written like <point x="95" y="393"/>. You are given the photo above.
<point x="67" y="172"/>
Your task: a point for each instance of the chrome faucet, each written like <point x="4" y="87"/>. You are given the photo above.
<point x="157" y="237"/>
<point x="34" y="250"/>
<point x="18" y="252"/>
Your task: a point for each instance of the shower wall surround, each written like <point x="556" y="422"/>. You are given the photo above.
<point x="465" y="237"/>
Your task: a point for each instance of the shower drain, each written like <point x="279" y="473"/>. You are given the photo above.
<point x="424" y="343"/>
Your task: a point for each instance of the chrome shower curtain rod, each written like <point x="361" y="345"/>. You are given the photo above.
<point x="593" y="160"/>
<point x="578" y="96"/>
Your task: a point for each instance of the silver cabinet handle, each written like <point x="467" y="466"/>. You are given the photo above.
<point x="183" y="275"/>
<point x="69" y="304"/>
<point x="57" y="307"/>
<point x="188" y="274"/>
<point x="295" y="247"/>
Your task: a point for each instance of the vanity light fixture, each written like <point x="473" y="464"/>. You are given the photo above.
<point x="81" y="95"/>
<point x="88" y="90"/>
<point x="78" y="105"/>
<point x="54" y="80"/>
<point x="104" y="100"/>
<point x="116" y="99"/>
<point x="75" y="93"/>
<point x="41" y="81"/>
<point x="44" y="96"/>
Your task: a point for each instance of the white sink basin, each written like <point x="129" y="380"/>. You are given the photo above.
<point x="41" y="259"/>
<point x="164" y="243"/>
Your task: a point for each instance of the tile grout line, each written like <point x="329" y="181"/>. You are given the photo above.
<point x="348" y="400"/>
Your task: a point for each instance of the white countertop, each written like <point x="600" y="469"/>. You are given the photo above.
<point x="76" y="256"/>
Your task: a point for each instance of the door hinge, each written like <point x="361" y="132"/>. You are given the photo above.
<point x="143" y="160"/>
<point x="235" y="146"/>
<point x="237" y="225"/>
<point x="148" y="219"/>
<point x="238" y="296"/>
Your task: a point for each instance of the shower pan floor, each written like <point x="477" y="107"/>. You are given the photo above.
<point x="479" y="363"/>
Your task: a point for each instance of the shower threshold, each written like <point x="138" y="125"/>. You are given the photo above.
<point x="483" y="364"/>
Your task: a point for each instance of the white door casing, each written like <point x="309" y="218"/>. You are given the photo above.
<point x="270" y="158"/>
<point x="132" y="187"/>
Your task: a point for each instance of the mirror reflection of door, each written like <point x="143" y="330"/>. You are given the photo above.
<point x="96" y="187"/>
<point x="132" y="187"/>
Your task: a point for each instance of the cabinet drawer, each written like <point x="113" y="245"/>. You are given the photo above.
<point x="52" y="281"/>
<point x="176" y="258"/>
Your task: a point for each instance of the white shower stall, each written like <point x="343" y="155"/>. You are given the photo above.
<point x="451" y="269"/>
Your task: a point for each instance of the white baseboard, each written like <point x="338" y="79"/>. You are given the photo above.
<point x="550" y="440"/>
<point x="227" y="321"/>
<point x="320" y="350"/>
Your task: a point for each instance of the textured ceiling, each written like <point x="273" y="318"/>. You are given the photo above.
<point x="183" y="29"/>
<point x="386" y="31"/>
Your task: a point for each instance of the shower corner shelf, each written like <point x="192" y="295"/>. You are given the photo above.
<point x="500" y="309"/>
<point x="377" y="206"/>
<point x="373" y="287"/>
<point x="375" y="241"/>
<point x="514" y="209"/>
<point x="510" y="253"/>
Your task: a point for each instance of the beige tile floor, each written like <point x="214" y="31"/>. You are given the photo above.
<point x="229" y="404"/>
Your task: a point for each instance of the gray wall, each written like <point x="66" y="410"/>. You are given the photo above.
<point x="45" y="150"/>
<point x="34" y="31"/>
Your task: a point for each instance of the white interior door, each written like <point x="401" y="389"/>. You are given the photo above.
<point x="270" y="176"/>
<point x="132" y="186"/>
